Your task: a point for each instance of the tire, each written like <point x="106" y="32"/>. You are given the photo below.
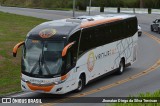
<point x="152" y="28"/>
<point x="139" y="34"/>
<point x="159" y="30"/>
<point x="121" y="68"/>
<point x="81" y="84"/>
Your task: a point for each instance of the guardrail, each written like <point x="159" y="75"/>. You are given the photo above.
<point x="141" y="10"/>
<point x="110" y="9"/>
<point x="156" y="11"/>
<point x="96" y="9"/>
<point x="125" y="10"/>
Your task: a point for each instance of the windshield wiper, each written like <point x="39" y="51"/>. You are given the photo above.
<point x="40" y="63"/>
<point x="36" y="65"/>
<point x="43" y="63"/>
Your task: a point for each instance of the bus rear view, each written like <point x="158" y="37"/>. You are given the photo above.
<point x="64" y="55"/>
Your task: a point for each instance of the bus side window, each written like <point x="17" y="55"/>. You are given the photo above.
<point x="100" y="36"/>
<point x="69" y="61"/>
<point x="108" y="37"/>
<point x="86" y="42"/>
<point x="83" y="40"/>
<point x="112" y="32"/>
<point x="74" y="49"/>
<point x="131" y="26"/>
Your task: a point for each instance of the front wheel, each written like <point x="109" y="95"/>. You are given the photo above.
<point x="121" y="68"/>
<point x="81" y="84"/>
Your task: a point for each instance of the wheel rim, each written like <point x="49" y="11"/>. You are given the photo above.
<point x="80" y="84"/>
<point x="121" y="67"/>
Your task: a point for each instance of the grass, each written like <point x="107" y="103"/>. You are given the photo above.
<point x="14" y="29"/>
<point x="143" y="95"/>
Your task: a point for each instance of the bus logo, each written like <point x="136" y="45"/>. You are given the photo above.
<point x="91" y="61"/>
<point x="47" y="33"/>
<point x="6" y="100"/>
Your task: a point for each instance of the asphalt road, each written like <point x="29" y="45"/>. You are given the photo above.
<point x="142" y="76"/>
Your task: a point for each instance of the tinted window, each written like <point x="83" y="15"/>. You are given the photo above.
<point x="131" y="27"/>
<point x="74" y="50"/>
<point x="87" y="40"/>
<point x="103" y="34"/>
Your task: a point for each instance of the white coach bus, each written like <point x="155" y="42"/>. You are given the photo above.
<point x="64" y="55"/>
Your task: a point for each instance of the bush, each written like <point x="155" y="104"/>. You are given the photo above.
<point x="81" y="4"/>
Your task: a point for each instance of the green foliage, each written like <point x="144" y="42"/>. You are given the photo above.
<point x="38" y="3"/>
<point x="81" y="4"/>
<point x="152" y="3"/>
<point x="14" y="29"/>
<point x="148" y="94"/>
<point x="132" y="3"/>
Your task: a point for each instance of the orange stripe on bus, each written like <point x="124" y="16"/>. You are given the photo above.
<point x="64" y="52"/>
<point x="43" y="88"/>
<point x="97" y="22"/>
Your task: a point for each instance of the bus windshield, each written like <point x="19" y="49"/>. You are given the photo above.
<point x="42" y="58"/>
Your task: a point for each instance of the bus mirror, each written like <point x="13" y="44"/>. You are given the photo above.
<point x="64" y="52"/>
<point x="16" y="48"/>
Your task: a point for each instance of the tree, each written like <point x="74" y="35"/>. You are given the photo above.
<point x="3" y="2"/>
<point x="141" y="4"/>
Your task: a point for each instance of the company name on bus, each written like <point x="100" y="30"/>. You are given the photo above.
<point x="44" y="81"/>
<point x="105" y="54"/>
<point x="92" y="58"/>
<point x="39" y="81"/>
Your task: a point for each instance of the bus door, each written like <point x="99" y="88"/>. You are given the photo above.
<point x="72" y="55"/>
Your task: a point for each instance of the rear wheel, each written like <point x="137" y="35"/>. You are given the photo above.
<point x="121" y="68"/>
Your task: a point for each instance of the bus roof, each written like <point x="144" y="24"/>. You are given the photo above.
<point x="101" y="19"/>
<point x="65" y="27"/>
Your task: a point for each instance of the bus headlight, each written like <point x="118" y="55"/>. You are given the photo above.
<point x="59" y="82"/>
<point x="61" y="79"/>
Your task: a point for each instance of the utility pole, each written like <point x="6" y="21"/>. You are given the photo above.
<point x="74" y="3"/>
<point x="90" y="4"/>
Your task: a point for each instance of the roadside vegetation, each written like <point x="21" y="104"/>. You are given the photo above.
<point x="154" y="95"/>
<point x="80" y="4"/>
<point x="13" y="30"/>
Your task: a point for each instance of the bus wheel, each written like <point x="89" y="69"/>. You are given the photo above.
<point x="120" y="70"/>
<point x="159" y="30"/>
<point x="81" y="83"/>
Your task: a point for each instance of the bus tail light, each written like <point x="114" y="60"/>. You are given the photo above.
<point x="16" y="48"/>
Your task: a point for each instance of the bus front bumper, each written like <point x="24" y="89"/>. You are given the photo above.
<point x="35" y="85"/>
<point x="53" y="89"/>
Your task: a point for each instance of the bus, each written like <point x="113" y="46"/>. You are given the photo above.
<point x="64" y="55"/>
